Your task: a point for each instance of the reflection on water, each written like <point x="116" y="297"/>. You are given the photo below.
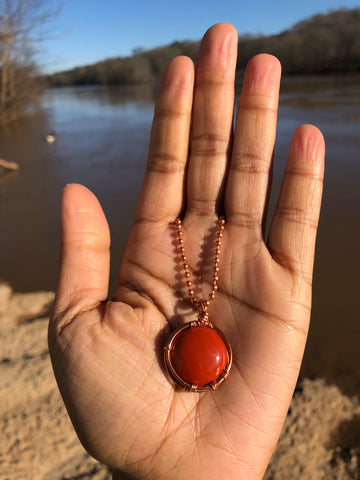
<point x="102" y="138"/>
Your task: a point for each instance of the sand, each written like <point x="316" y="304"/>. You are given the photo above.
<point x="320" y="438"/>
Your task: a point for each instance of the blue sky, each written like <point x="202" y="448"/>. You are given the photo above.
<point x="91" y="30"/>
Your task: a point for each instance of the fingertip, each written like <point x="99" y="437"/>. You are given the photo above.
<point x="178" y="73"/>
<point x="73" y="193"/>
<point x="309" y="143"/>
<point x="77" y="199"/>
<point x="223" y="28"/>
<point x="265" y="59"/>
<point x="77" y="191"/>
<point x="262" y="76"/>
<point x="182" y="60"/>
<point x="218" y="47"/>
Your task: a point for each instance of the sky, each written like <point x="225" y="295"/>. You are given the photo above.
<point x="87" y="31"/>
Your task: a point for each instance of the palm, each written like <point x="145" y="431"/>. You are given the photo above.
<point x="108" y="356"/>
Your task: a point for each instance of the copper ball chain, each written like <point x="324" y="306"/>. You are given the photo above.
<point x="202" y="304"/>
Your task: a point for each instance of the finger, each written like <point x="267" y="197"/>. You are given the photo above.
<point x="294" y="226"/>
<point x="85" y="254"/>
<point x="253" y="145"/>
<point x="162" y="192"/>
<point x="212" y="118"/>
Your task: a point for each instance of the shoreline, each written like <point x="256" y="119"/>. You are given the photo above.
<point x="320" y="437"/>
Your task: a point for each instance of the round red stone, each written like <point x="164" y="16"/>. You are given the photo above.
<point x="199" y="355"/>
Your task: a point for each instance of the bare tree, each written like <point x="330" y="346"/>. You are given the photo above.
<point x="23" y="24"/>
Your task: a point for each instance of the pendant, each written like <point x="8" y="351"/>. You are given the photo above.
<point x="198" y="356"/>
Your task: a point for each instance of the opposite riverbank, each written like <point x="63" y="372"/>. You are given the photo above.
<point x="320" y="438"/>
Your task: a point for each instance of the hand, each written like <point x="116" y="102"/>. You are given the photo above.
<point x="107" y="356"/>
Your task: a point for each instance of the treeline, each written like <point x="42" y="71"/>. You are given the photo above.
<point x="321" y="44"/>
<point x="324" y="43"/>
<point x="144" y="67"/>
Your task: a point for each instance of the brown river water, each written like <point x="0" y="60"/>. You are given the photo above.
<point x="102" y="138"/>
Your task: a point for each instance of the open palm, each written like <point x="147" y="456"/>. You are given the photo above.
<point x="107" y="356"/>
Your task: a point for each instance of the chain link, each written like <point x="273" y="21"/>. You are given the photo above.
<point x="201" y="304"/>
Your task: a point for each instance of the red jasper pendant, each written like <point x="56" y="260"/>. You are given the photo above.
<point x="198" y="356"/>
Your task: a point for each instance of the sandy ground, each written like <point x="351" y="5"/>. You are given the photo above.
<point x="320" y="439"/>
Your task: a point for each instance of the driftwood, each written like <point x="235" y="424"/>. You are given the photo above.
<point x="9" y="165"/>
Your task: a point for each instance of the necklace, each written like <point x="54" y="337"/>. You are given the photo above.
<point x="197" y="355"/>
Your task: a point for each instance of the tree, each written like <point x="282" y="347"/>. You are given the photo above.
<point x="23" y="24"/>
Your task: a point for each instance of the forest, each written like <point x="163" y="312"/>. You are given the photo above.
<point x="324" y="43"/>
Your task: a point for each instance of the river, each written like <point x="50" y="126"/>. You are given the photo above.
<point x="102" y="138"/>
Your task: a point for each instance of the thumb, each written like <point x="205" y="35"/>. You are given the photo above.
<point x="85" y="255"/>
